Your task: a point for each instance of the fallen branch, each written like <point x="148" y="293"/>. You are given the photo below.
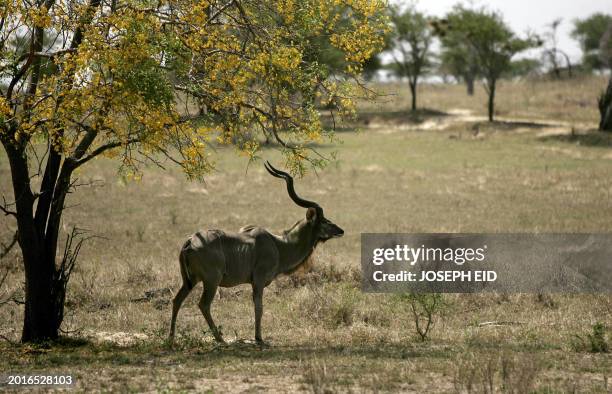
<point x="500" y="323"/>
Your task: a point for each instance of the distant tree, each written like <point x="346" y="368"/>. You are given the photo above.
<point x="446" y="73"/>
<point x="605" y="108"/>
<point x="410" y="42"/>
<point x="457" y="56"/>
<point x="552" y="53"/>
<point x="605" y="100"/>
<point x="605" y="48"/>
<point x="589" y="32"/>
<point x="492" y="43"/>
<point x="523" y="68"/>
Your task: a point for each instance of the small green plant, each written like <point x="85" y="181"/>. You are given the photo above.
<point x="597" y="339"/>
<point x="341" y="312"/>
<point x="140" y="233"/>
<point x="595" y="342"/>
<point x="426" y="308"/>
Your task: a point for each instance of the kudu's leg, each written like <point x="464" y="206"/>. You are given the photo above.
<point x="208" y="295"/>
<point x="258" y="303"/>
<point x="176" y="305"/>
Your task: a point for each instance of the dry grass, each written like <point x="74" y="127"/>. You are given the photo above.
<point x="327" y="335"/>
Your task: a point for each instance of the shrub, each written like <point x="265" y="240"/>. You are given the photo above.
<point x="595" y="342"/>
<point x="496" y="372"/>
<point x="425" y="308"/>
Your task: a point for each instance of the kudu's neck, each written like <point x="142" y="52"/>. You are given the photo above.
<point x="295" y="246"/>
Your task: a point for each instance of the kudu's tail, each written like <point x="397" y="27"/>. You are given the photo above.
<point x="183" y="263"/>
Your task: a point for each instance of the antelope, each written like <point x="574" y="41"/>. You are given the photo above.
<point x="252" y="256"/>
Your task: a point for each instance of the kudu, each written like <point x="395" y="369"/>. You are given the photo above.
<point x="253" y="255"/>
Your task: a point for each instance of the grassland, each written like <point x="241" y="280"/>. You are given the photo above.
<point x="436" y="171"/>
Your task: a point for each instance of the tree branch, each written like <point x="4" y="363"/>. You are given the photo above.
<point x="18" y="76"/>
<point x="101" y="149"/>
<point x="7" y="249"/>
<point x="220" y="10"/>
<point x="4" y="208"/>
<point x="90" y="135"/>
<point x="49" y="55"/>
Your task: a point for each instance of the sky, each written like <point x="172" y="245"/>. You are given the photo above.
<point x="533" y="15"/>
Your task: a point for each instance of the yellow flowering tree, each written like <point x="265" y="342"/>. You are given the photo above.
<point x="120" y="78"/>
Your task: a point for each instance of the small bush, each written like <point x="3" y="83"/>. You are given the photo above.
<point x="341" y="310"/>
<point x="140" y="274"/>
<point x="340" y="305"/>
<point x="492" y="373"/>
<point x="425" y="308"/>
<point x="595" y="342"/>
<point x="597" y="339"/>
<point x="546" y="300"/>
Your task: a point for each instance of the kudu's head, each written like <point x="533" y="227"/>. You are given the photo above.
<point x="323" y="229"/>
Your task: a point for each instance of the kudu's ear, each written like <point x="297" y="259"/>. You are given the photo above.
<point x="311" y="214"/>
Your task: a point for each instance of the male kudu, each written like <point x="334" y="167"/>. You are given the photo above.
<point x="253" y="255"/>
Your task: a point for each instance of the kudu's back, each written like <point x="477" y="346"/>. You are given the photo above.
<point x="226" y="258"/>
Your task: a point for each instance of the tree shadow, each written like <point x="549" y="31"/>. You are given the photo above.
<point x="591" y="138"/>
<point x="507" y="125"/>
<point x="68" y="352"/>
<point x="282" y="353"/>
<point x="370" y="118"/>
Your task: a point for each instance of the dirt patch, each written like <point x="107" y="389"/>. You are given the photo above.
<point x="197" y="189"/>
<point x="121" y="339"/>
<point x="555" y="132"/>
<point x="583" y="137"/>
<point x="373" y="168"/>
<point x="426" y="121"/>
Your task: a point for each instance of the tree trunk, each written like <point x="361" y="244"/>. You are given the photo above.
<point x="413" y="92"/>
<point x="491" y="88"/>
<point x="568" y="62"/>
<point x="44" y="287"/>
<point x="605" y="108"/>
<point x="42" y="311"/>
<point x="469" y="82"/>
<point x="44" y="284"/>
